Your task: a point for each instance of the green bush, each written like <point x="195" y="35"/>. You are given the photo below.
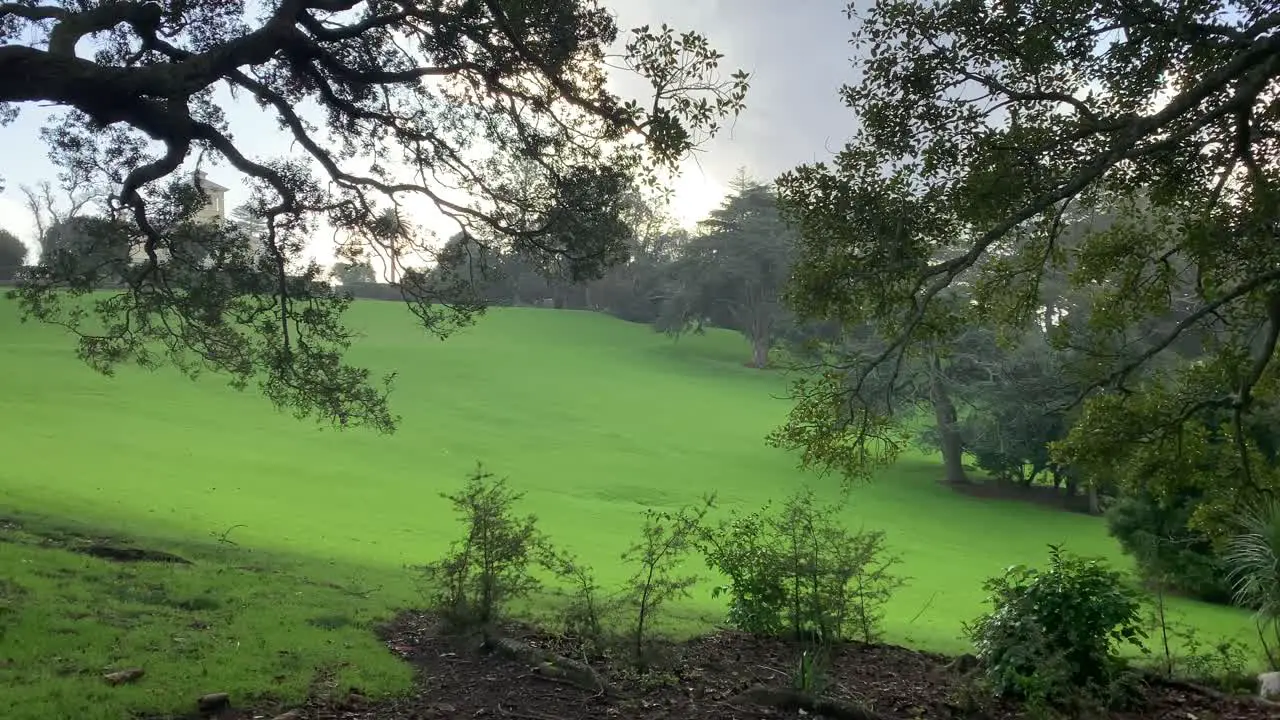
<point x="1167" y="551"/>
<point x="798" y="570"/>
<point x="666" y="539"/>
<point x="1053" y="635"/>
<point x="492" y="564"/>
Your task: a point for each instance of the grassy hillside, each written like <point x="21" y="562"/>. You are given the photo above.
<point x="593" y="418"/>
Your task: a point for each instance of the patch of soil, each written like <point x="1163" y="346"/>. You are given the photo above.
<point x="1045" y="495"/>
<point x="121" y="553"/>
<point x="100" y="547"/>
<point x="715" y="677"/>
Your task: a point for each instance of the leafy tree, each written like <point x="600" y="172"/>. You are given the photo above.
<point x="93" y="247"/>
<point x="1157" y="533"/>
<point x="1022" y="406"/>
<point x="13" y="252"/>
<point x="985" y="131"/>
<point x="517" y="118"/>
<point x="638" y="289"/>
<point x="491" y="565"/>
<point x="354" y="272"/>
<point x="247" y="219"/>
<point x="50" y="208"/>
<point x="733" y="273"/>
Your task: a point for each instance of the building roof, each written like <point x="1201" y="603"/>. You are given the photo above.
<point x="208" y="185"/>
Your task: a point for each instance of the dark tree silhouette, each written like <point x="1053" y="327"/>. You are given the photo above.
<point x="13" y="253"/>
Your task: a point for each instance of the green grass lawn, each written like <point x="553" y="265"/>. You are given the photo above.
<point x="595" y="419"/>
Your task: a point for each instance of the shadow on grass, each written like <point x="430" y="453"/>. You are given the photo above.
<point x="256" y="626"/>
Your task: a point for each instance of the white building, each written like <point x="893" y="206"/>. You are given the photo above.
<point x="214" y="211"/>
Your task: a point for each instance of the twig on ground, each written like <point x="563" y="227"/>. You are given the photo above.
<point x="224" y="536"/>
<point x="525" y="715"/>
<point x="927" y="604"/>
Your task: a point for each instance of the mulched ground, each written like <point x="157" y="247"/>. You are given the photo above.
<point x="456" y="679"/>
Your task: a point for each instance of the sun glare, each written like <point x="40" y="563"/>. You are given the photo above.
<point x="693" y="195"/>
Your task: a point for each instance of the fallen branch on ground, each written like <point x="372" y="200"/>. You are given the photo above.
<point x="548" y="664"/>
<point x="1157" y="679"/>
<point x="793" y="700"/>
<point x="123" y="676"/>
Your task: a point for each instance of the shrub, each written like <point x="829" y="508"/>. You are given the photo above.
<point x="747" y="551"/>
<point x="491" y="565"/>
<point x="1182" y="653"/>
<point x="666" y="539"/>
<point x="583" y="616"/>
<point x="1166" y="549"/>
<point x="1253" y="559"/>
<point x="799" y="570"/>
<point x="1056" y="630"/>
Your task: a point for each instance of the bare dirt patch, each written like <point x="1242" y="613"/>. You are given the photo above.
<point x="122" y="553"/>
<point x="716" y="677"/>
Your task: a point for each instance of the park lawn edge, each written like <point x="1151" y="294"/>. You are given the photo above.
<point x="267" y="629"/>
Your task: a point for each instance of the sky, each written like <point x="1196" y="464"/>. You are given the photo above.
<point x="797" y="51"/>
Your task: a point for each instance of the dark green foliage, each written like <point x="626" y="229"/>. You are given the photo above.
<point x="732" y="274"/>
<point x="990" y="138"/>
<point x="1055" y="633"/>
<point x="94" y="249"/>
<point x="1022" y="406"/>
<point x="13" y="252"/>
<point x="811" y="673"/>
<point x="745" y="550"/>
<point x="665" y="543"/>
<point x="799" y="571"/>
<point x="1252" y="558"/>
<point x="343" y="80"/>
<point x="349" y="273"/>
<point x="1156" y="532"/>
<point x="492" y="564"/>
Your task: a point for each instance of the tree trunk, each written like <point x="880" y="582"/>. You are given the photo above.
<point x="759" y="353"/>
<point x="1094" y="507"/>
<point x="948" y="432"/>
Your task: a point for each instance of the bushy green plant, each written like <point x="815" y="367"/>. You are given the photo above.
<point x="492" y="564"/>
<point x="799" y="570"/>
<point x="811" y="675"/>
<point x="1157" y="533"/>
<point x="1056" y="632"/>
<point x="1253" y="562"/>
<point x="665" y="541"/>
<point x="583" y="616"/>
<point x="744" y="549"/>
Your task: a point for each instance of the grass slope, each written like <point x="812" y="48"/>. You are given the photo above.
<point x="234" y="621"/>
<point x="593" y="418"/>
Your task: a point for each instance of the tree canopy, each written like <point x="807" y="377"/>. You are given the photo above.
<point x="989" y="134"/>
<point x="354" y="272"/>
<point x="732" y="273"/>
<point x="494" y="112"/>
<point x="13" y="252"/>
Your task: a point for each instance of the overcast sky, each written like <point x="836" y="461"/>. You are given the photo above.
<point x="797" y="51"/>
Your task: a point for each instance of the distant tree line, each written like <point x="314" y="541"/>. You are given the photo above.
<point x="729" y="272"/>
